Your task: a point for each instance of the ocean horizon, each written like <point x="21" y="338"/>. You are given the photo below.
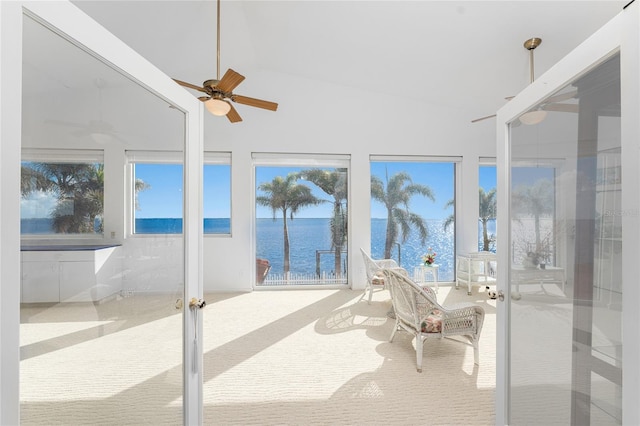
<point x="309" y="240"/>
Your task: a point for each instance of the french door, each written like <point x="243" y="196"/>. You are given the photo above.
<point x="109" y="323"/>
<point x="568" y="203"/>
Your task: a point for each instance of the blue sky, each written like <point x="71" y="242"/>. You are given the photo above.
<point x="164" y="198"/>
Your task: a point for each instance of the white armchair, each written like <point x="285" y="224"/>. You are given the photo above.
<point x="418" y="312"/>
<point x="373" y="268"/>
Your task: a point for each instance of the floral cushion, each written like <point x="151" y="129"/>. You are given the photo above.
<point x="378" y="279"/>
<point x="432" y="323"/>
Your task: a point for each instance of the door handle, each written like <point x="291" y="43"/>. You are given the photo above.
<point x="197" y="303"/>
<point x="500" y="296"/>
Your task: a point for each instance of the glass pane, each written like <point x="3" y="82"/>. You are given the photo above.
<point x="157" y="192"/>
<point x="566" y="249"/>
<point x="425" y="225"/>
<point x="217" y="199"/>
<point x="101" y="340"/>
<point x="62" y="198"/>
<point x="301" y="226"/>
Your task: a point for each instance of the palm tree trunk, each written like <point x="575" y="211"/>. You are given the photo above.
<point x="337" y="236"/>
<point x="537" y="229"/>
<point x="286" y="245"/>
<point x="485" y="236"/>
<point x="338" y="260"/>
<point x="389" y="239"/>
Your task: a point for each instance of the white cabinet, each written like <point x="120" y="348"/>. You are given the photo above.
<point x="40" y="282"/>
<point x="70" y="274"/>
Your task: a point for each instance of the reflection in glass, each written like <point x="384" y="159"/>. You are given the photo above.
<point x="566" y="230"/>
<point x="100" y="338"/>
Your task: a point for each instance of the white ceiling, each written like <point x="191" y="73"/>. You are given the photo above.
<point x="467" y="55"/>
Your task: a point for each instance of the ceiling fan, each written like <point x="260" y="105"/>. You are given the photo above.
<point x="220" y="90"/>
<point x="100" y="131"/>
<point x="550" y="104"/>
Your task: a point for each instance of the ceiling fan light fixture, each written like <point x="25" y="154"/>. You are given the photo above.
<point x="217" y="106"/>
<point x="100" y="138"/>
<point x="533" y="117"/>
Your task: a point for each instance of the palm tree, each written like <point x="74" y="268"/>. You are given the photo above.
<point x="138" y="187"/>
<point x="488" y="210"/>
<point x="536" y="200"/>
<point x="450" y="220"/>
<point x="79" y="188"/>
<point x="396" y="197"/>
<point x="333" y="183"/>
<point x="286" y="196"/>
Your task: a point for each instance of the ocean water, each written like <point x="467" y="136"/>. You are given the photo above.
<point x="309" y="238"/>
<point x="43" y="226"/>
<point x="306" y="236"/>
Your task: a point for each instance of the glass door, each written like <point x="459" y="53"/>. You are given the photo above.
<point x="566" y="256"/>
<point x="567" y="184"/>
<point x="105" y="333"/>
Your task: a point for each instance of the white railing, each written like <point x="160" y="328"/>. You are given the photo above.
<point x="304" y="279"/>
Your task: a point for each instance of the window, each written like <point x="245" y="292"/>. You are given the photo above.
<point x="426" y="220"/>
<point x="62" y="192"/>
<point x="301" y="220"/>
<point x="217" y="193"/>
<point x="488" y="207"/>
<point x="157" y="192"/>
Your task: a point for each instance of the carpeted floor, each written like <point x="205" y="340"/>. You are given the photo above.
<point x="293" y="357"/>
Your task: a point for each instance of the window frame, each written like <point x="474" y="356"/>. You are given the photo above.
<point x="300" y="160"/>
<point x="456" y="161"/>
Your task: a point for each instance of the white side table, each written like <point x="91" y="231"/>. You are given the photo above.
<point x="421" y="272"/>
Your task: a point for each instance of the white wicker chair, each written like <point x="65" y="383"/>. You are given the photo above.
<point x="373" y="268"/>
<point x="418" y="312"/>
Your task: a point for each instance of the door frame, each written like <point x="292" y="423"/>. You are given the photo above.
<point x="621" y="34"/>
<point x="74" y="25"/>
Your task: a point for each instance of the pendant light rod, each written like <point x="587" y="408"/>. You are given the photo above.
<point x="530" y="45"/>
<point x="218" y="43"/>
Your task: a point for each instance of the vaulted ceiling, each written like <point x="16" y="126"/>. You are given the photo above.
<point x="461" y="54"/>
<point x="314" y="58"/>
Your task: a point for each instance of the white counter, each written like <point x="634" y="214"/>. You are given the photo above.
<point x="70" y="273"/>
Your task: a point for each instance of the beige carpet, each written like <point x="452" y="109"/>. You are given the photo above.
<point x="294" y="357"/>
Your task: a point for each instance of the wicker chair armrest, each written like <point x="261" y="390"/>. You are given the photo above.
<point x="465" y="316"/>
<point x="386" y="263"/>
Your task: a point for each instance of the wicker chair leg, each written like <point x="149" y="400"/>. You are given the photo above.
<point x="419" y="347"/>
<point x="370" y="293"/>
<point x="395" y="329"/>
<point x="476" y="352"/>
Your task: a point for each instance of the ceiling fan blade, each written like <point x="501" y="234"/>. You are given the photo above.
<point x="561" y="97"/>
<point x="233" y="115"/>
<point x="259" y="103"/>
<point x="190" y="86"/>
<point x="483" y="118"/>
<point x="562" y="107"/>
<point x="65" y="123"/>
<point x="229" y="81"/>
